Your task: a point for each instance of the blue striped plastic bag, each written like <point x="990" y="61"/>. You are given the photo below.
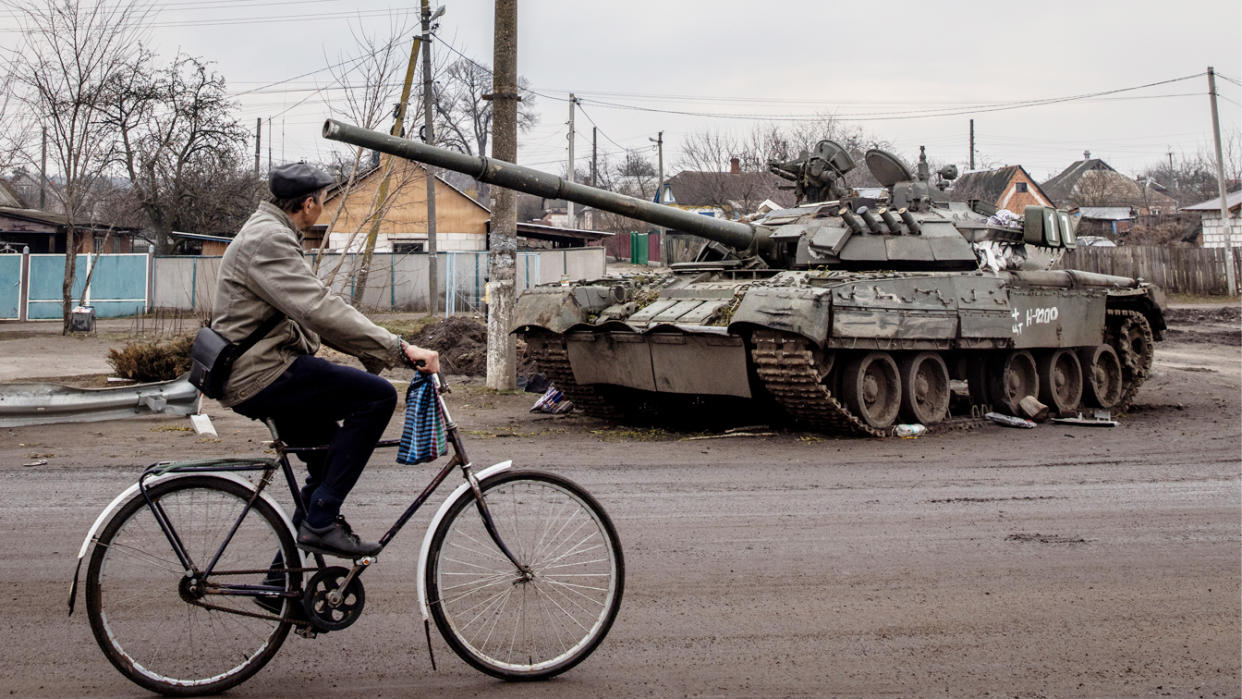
<point x="422" y="438"/>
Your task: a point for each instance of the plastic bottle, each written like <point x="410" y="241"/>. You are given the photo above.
<point x="909" y="431"/>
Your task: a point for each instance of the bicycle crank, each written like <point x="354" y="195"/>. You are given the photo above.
<point x="329" y="607"/>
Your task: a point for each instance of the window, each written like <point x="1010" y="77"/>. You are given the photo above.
<point x="406" y="248"/>
<point x="1019" y="187"/>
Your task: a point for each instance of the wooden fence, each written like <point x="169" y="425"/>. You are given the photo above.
<point x="1176" y="270"/>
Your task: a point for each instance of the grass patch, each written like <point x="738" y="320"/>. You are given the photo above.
<point x="1197" y="298"/>
<point x="405" y="326"/>
<point x="158" y="360"/>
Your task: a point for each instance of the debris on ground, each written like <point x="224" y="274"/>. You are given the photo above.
<point x="552" y="401"/>
<point x="460" y="340"/>
<point x="1010" y="420"/>
<point x="1033" y="409"/>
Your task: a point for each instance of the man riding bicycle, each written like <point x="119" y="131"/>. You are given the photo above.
<point x="264" y="273"/>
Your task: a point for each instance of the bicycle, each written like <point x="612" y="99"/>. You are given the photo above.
<point x="522" y="586"/>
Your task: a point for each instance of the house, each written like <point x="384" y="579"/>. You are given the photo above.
<point x="199" y="244"/>
<point x="733" y="194"/>
<point x="462" y="224"/>
<point x="1010" y="187"/>
<point x="1213" y="225"/>
<point x="45" y="232"/>
<point x="1091" y="182"/>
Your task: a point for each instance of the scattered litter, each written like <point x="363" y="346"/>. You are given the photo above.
<point x="1094" y="421"/>
<point x="1010" y="421"/>
<point x="40" y="462"/>
<point x="119" y="379"/>
<point x="1033" y="409"/>
<point x="728" y="435"/>
<point x="552" y="401"/>
<point x="909" y="431"/>
<point x="202" y="424"/>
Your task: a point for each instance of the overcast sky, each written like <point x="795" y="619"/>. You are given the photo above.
<point x="910" y="73"/>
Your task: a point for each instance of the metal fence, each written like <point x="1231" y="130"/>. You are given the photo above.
<point x="1176" y="270"/>
<point x="125" y="285"/>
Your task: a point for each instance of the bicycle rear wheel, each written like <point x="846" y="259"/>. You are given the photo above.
<point x="526" y="626"/>
<point x="150" y="616"/>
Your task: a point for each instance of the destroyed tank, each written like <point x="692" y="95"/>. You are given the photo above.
<point x="850" y="313"/>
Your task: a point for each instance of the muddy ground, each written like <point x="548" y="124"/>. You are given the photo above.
<point x="1058" y="561"/>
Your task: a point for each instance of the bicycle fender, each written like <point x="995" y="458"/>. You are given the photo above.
<point x="133" y="490"/>
<point x="461" y="492"/>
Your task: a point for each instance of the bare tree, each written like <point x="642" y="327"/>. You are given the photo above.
<point x="173" y="123"/>
<point x="465" y="117"/>
<point x="67" y="54"/>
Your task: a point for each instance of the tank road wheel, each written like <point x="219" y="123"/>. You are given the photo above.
<point x="1101" y="373"/>
<point x="1130" y="334"/>
<point x="1060" y="380"/>
<point x="1013" y="378"/>
<point x="871" y="388"/>
<point x="924" y="388"/>
<point x="1136" y="345"/>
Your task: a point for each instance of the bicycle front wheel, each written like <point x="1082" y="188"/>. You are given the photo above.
<point x="532" y="624"/>
<point x="175" y="631"/>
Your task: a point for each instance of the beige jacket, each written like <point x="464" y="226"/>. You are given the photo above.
<point x="264" y="270"/>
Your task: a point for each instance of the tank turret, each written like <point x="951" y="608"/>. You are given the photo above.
<point x="847" y="312"/>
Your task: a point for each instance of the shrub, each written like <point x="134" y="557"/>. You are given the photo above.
<point x="158" y="360"/>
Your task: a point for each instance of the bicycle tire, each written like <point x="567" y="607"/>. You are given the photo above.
<point x="547" y="623"/>
<point x="134" y="587"/>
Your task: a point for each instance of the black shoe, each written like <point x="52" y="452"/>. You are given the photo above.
<point x="336" y="539"/>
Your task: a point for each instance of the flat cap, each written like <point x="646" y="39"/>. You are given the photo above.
<point x="297" y="179"/>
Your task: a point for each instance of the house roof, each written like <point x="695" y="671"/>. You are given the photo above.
<point x="202" y="236"/>
<point x="1107" y="213"/>
<point x="1234" y="200"/>
<point x="539" y="231"/>
<point x="989" y="185"/>
<point x="9" y="196"/>
<point x="55" y="219"/>
<point x="1061" y="187"/>
<point x="738" y="189"/>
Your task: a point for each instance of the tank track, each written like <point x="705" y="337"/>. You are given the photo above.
<point x="553" y="360"/>
<point x="787" y="368"/>
<point x="1135" y="366"/>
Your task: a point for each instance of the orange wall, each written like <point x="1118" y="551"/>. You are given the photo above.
<point x="1017" y="201"/>
<point x="455" y="212"/>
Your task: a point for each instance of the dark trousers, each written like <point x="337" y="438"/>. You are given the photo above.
<point x="316" y="402"/>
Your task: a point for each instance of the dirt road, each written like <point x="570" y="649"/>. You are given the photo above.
<point x="1048" y="562"/>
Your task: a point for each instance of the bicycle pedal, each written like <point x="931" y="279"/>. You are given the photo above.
<point x="306" y="631"/>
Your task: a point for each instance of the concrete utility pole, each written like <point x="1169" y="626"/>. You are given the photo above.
<point x="594" y="156"/>
<point x="381" y="199"/>
<point x="972" y="144"/>
<point x="569" y="205"/>
<point x="1231" y="281"/>
<point x="502" y="240"/>
<point x="433" y="266"/>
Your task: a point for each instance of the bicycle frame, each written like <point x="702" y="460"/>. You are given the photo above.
<point x="231" y="467"/>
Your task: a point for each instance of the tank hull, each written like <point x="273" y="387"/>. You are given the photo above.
<point x="794" y="338"/>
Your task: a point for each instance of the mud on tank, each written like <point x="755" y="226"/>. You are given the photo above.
<point x="848" y="313"/>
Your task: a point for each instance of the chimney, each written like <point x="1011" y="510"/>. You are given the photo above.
<point x="1086" y="155"/>
<point x="735" y="166"/>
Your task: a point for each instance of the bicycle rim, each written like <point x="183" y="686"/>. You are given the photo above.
<point x="141" y="615"/>
<point x="509" y="625"/>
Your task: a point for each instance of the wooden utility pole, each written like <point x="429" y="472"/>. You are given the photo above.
<point x="381" y="199"/>
<point x="258" y="142"/>
<point x="433" y="273"/>
<point x="1231" y="281"/>
<point x="569" y="205"/>
<point x="502" y="240"/>
<point x="594" y="156"/>
<point x="659" y="196"/>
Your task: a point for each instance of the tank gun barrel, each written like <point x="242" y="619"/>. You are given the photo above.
<point x="739" y="236"/>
